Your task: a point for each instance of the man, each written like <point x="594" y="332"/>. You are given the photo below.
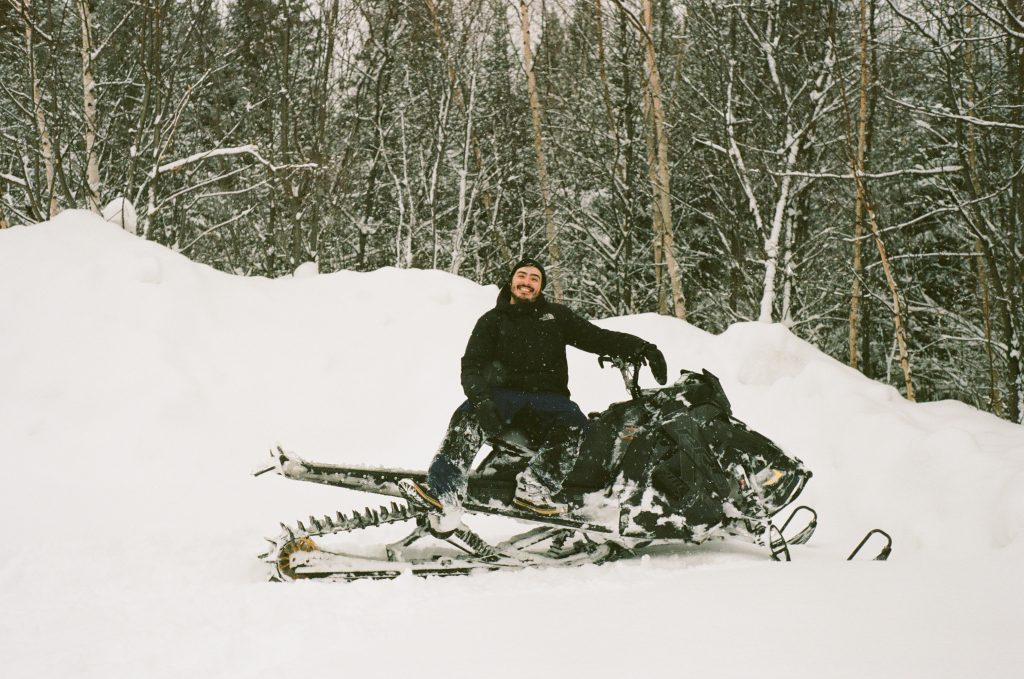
<point x="514" y="372"/>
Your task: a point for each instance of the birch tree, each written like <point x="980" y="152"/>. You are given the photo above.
<point x="859" y="168"/>
<point x="465" y="107"/>
<point x="664" y="243"/>
<point x="89" y="113"/>
<point x="979" y="197"/>
<point x="39" y="113"/>
<point x="802" y="95"/>
<point x="554" y="250"/>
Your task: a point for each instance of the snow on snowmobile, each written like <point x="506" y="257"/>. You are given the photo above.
<point x="669" y="466"/>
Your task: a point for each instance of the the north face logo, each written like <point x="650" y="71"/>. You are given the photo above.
<point x="547" y="317"/>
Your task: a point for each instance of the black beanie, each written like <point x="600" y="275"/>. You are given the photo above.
<point x="530" y="261"/>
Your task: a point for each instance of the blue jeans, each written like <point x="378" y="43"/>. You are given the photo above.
<point x="552" y="423"/>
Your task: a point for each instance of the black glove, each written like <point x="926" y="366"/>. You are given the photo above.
<point x="654" y="358"/>
<point x="489" y="419"/>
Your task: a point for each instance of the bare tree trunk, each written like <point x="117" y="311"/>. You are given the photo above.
<point x="771" y="244"/>
<point x="797" y="135"/>
<point x="619" y="176"/>
<point x="1015" y="54"/>
<point x="972" y="164"/>
<point x="504" y="250"/>
<point x="864" y="198"/>
<point x="440" y="144"/>
<point x="602" y="71"/>
<point x="859" y="166"/>
<point x="789" y="264"/>
<point x="154" y="97"/>
<point x="664" y="248"/>
<point x="462" y="217"/>
<point x="92" y="172"/>
<point x="42" y="129"/>
<point x="554" y="252"/>
<point x="897" y="305"/>
<point x="403" y="236"/>
<point x="321" y="114"/>
<point x="323" y="87"/>
<point x="292" y="187"/>
<point x="621" y="169"/>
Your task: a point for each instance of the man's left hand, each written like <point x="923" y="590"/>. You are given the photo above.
<point x="654" y="358"/>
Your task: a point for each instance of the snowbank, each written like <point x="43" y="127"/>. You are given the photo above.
<point x="139" y="389"/>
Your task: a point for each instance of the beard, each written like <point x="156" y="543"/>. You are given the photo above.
<point x="524" y="295"/>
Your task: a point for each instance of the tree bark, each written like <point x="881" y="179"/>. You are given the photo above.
<point x="155" y="99"/>
<point x="602" y="71"/>
<point x="504" y="251"/>
<point x="89" y="114"/>
<point x="554" y="252"/>
<point x="42" y="129"/>
<point x="664" y="248"/>
<point x="860" y="184"/>
<point x="972" y="164"/>
<point x="859" y="166"/>
<point x="1015" y="53"/>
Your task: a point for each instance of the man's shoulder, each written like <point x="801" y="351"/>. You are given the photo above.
<point x="560" y="312"/>
<point x="489" y="316"/>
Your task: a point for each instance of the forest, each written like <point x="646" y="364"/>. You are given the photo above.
<point x="852" y="169"/>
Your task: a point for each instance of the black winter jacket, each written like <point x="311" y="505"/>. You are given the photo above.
<point x="522" y="346"/>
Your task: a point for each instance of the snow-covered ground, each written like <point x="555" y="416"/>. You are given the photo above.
<point x="139" y="390"/>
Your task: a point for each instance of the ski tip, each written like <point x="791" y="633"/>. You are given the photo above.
<point x="883" y="554"/>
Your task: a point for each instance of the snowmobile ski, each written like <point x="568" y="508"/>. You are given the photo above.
<point x="883" y="553"/>
<point x="779" y="544"/>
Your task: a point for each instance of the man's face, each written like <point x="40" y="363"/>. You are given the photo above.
<point x="526" y="284"/>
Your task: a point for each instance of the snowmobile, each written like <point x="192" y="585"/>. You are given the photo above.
<point x="671" y="465"/>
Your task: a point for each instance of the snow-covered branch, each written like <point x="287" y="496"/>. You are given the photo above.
<point x="248" y="149"/>
<point x="1017" y="32"/>
<point x="972" y="120"/>
<point x="919" y="171"/>
<point x="11" y="179"/>
<point x="22" y="9"/>
<point x="230" y="220"/>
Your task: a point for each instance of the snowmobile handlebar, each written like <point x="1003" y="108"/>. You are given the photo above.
<point x="629" y="368"/>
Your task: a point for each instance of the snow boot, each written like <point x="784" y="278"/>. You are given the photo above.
<point x="443" y="517"/>
<point x="419" y="495"/>
<point x="535" y="497"/>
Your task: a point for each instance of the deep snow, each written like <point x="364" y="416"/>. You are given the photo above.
<point x="139" y="390"/>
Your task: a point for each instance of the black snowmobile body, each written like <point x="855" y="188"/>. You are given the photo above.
<point x="669" y="465"/>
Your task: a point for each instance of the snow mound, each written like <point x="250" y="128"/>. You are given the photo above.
<point x="121" y="212"/>
<point x="140" y="389"/>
